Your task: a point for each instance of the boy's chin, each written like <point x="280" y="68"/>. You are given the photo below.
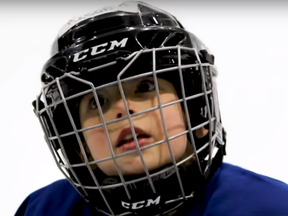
<point x="137" y="167"/>
<point x="133" y="166"/>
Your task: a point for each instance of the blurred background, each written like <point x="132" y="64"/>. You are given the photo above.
<point x="248" y="39"/>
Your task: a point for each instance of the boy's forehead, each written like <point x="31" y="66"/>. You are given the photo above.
<point x="130" y="83"/>
<point x="126" y="82"/>
<point x="116" y="85"/>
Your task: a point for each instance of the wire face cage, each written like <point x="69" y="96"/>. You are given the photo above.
<point x="73" y="166"/>
<point x="132" y="117"/>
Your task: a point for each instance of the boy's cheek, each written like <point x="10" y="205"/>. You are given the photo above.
<point x="174" y="116"/>
<point x="98" y="144"/>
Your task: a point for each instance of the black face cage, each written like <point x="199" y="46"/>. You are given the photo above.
<point x="179" y="60"/>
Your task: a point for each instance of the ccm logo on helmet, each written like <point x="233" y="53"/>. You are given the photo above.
<point x="141" y="204"/>
<point x="101" y="48"/>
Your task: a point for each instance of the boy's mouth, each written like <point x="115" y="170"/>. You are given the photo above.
<point x="126" y="140"/>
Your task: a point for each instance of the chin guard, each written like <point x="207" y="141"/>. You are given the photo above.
<point x="143" y="201"/>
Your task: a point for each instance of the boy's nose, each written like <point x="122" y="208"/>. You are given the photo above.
<point x="121" y="108"/>
<point x="121" y="114"/>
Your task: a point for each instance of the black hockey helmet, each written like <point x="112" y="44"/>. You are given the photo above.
<point x="108" y="47"/>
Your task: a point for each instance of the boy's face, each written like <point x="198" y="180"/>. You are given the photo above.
<point x="140" y="95"/>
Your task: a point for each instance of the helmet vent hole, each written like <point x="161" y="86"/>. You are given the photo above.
<point x="175" y="39"/>
<point x="150" y="39"/>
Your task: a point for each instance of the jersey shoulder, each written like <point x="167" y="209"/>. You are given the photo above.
<point x="237" y="191"/>
<point x="57" y="199"/>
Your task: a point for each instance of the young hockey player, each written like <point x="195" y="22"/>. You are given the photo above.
<point x="130" y="113"/>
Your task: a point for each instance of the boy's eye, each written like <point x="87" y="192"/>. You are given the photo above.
<point x="145" y="86"/>
<point x="93" y="104"/>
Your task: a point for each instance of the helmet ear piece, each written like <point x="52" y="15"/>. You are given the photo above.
<point x="69" y="145"/>
<point x="61" y="124"/>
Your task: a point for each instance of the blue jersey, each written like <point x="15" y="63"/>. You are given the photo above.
<point x="232" y="191"/>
